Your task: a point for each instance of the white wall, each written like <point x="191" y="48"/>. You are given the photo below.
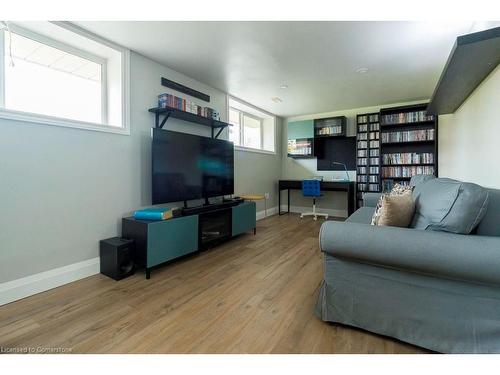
<point x="469" y="138"/>
<point x="63" y="189"/>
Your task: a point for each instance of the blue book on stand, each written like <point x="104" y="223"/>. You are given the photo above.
<point x="155" y="214"/>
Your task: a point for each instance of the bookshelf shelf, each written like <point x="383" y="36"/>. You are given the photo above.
<point x="430" y="141"/>
<point x="405" y="124"/>
<point x="170" y="112"/>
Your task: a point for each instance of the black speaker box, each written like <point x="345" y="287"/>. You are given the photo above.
<point x="117" y="257"/>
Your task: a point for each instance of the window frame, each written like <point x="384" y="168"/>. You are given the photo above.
<point x="33" y="117"/>
<point x="241" y="135"/>
<point x="261" y="120"/>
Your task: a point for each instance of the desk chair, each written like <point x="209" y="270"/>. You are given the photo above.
<point x="312" y="188"/>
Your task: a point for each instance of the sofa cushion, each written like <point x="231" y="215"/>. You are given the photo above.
<point x="397" y="210"/>
<point x="490" y="225"/>
<point x="448" y="205"/>
<point x="362" y="215"/>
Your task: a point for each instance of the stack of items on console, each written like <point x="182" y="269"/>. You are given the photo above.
<point x="157" y="214"/>
<point x="172" y="101"/>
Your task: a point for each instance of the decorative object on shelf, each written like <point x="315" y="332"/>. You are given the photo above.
<point x="157" y="214"/>
<point x="184" y="89"/>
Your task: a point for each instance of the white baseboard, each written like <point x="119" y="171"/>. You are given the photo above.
<point x="329" y="211"/>
<point x="27" y="286"/>
<point x="270" y="212"/>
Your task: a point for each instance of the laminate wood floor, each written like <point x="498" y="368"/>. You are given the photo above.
<point x="253" y="294"/>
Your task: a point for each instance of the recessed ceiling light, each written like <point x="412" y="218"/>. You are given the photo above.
<point x="362" y="70"/>
<point x="283" y="87"/>
<point x="276" y="99"/>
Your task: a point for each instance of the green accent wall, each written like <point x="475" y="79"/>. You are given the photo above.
<point x="244" y="218"/>
<point x="171" y="239"/>
<point x="301" y="129"/>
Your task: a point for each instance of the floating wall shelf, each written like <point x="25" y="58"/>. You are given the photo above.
<point x="473" y="57"/>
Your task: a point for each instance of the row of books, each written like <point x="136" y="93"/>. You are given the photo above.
<point x="362" y="144"/>
<point x="374" y="161"/>
<point x="171" y="101"/>
<point x="375" y="126"/>
<point x="365" y="118"/>
<point x="374" y="152"/>
<point x="299" y="147"/>
<point x="370" y="170"/>
<point x="363" y="128"/>
<point x="362" y="136"/>
<point x="329" y="130"/>
<point x="406" y="171"/>
<point x="362" y="161"/>
<point x="367" y="178"/>
<point x="406" y="117"/>
<point x="362" y="153"/>
<point x="374" y="144"/>
<point x="368" y="187"/>
<point x="408" y="136"/>
<point x="387" y="185"/>
<point x="408" y="158"/>
<point x="373" y="135"/>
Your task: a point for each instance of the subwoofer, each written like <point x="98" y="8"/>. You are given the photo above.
<point x="117" y="257"/>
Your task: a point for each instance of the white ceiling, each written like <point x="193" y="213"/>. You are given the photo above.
<point x="317" y="60"/>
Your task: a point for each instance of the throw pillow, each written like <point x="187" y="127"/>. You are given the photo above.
<point x="397" y="210"/>
<point x="396" y="190"/>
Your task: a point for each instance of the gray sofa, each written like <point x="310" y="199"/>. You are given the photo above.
<point x="435" y="289"/>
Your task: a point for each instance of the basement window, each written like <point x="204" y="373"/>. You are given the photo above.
<point x="52" y="73"/>
<point x="253" y="129"/>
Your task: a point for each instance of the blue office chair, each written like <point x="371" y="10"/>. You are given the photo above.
<point x="312" y="188"/>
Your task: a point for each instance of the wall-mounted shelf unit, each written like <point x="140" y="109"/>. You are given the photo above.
<point x="301" y="139"/>
<point x="473" y="57"/>
<point x="408" y="144"/>
<point x="163" y="114"/>
<point x="330" y="127"/>
<point x="367" y="155"/>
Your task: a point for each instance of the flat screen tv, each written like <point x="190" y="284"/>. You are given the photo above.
<point x="186" y="167"/>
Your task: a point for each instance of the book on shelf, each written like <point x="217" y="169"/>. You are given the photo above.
<point x="329" y="130"/>
<point x="363" y="128"/>
<point x="374" y="127"/>
<point x="394" y="172"/>
<point x="406" y="117"/>
<point x="373" y="179"/>
<point x="374" y="144"/>
<point x="171" y="101"/>
<point x="408" y="136"/>
<point x="362" y="161"/>
<point x="300" y="147"/>
<point x="374" y="170"/>
<point x="362" y="136"/>
<point x="373" y="136"/>
<point x="362" y="170"/>
<point x="374" y="161"/>
<point x="156" y="214"/>
<point x="374" y="152"/>
<point x="362" y="153"/>
<point x="362" y="118"/>
<point x="362" y="144"/>
<point x="373" y="118"/>
<point x="408" y="158"/>
<point x="362" y="178"/>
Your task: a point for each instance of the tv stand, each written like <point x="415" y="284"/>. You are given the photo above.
<point x="200" y="228"/>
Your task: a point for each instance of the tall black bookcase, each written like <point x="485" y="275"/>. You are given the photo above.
<point x="367" y="155"/>
<point x="408" y="144"/>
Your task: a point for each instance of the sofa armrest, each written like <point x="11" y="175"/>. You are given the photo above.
<point x="371" y="199"/>
<point x="466" y="257"/>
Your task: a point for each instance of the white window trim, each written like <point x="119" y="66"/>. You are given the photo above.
<point x="251" y="149"/>
<point x="30" y="117"/>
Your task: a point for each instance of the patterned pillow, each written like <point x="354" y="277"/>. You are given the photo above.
<point x="396" y="190"/>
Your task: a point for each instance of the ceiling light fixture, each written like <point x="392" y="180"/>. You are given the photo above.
<point x="276" y="99"/>
<point x="283" y="86"/>
<point x="362" y="70"/>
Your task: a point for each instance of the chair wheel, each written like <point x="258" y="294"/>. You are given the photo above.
<point x="326" y="217"/>
<point x="315" y="218"/>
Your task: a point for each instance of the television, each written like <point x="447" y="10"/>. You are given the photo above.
<point x="186" y="167"/>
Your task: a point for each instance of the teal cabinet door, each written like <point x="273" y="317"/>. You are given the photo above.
<point x="301" y="129"/>
<point x="244" y="218"/>
<point x="171" y="239"/>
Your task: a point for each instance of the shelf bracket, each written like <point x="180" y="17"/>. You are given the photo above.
<point x="218" y="133"/>
<point x="160" y="126"/>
